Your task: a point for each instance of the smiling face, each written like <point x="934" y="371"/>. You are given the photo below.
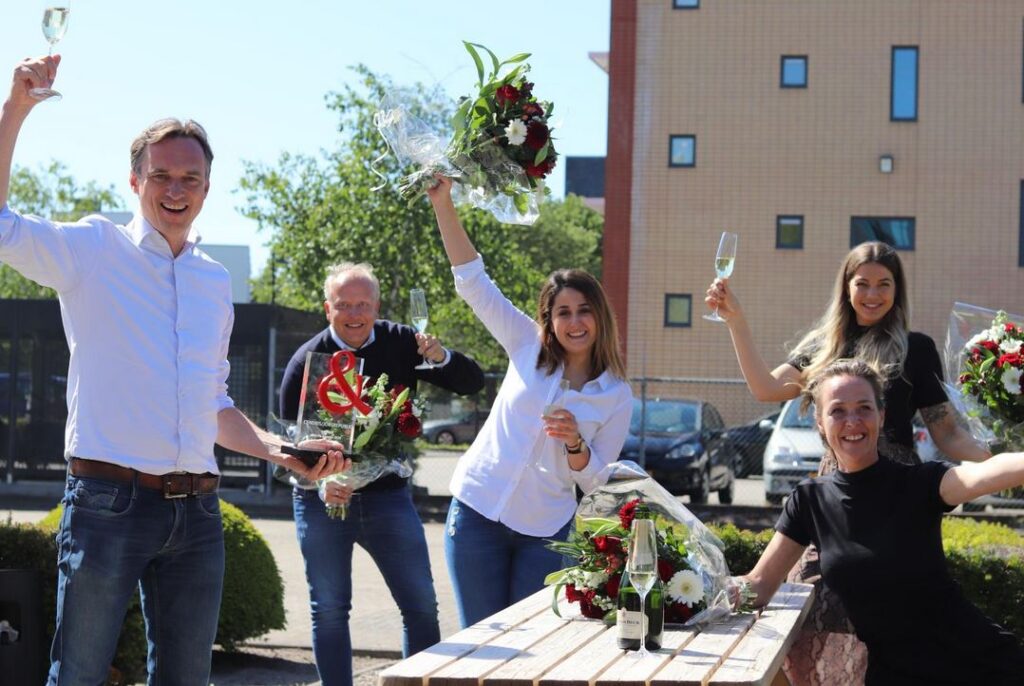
<point x="573" y="323"/>
<point x="172" y="182"/>
<point x="872" y="291"/>
<point x="849" y="419"/>
<point x="352" y="308"/>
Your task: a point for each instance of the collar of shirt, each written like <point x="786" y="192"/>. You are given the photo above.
<point x="145" y="235"/>
<point x="345" y="346"/>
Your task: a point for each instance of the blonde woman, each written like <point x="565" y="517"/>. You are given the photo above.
<point x="867" y="318"/>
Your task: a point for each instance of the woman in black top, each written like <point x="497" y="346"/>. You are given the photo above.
<point x="877" y="524"/>
<point x="867" y="318"/>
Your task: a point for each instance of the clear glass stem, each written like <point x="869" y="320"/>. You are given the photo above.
<point x="643" y="624"/>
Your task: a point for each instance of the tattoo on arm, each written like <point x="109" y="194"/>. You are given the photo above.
<point x="937" y="413"/>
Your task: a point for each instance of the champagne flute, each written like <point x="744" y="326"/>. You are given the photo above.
<point x="642" y="567"/>
<point x="55" y="25"/>
<point x="725" y="258"/>
<point x="418" y="314"/>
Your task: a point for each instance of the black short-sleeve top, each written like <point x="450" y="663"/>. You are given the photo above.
<point x="919" y="385"/>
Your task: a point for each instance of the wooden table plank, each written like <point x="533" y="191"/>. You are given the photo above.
<point x="530" y="665"/>
<point x="758" y="656"/>
<point x="632" y="670"/>
<point x="415" y="670"/>
<point x="694" y="664"/>
<point x="582" y="667"/>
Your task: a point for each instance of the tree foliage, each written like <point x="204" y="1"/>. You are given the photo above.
<point x="53" y="193"/>
<point x="344" y="205"/>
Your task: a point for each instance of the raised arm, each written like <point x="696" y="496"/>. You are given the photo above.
<point x="975" y="479"/>
<point x="457" y="245"/>
<point x="950" y="435"/>
<point x="767" y="385"/>
<point x="771" y="570"/>
<point x="37" y="72"/>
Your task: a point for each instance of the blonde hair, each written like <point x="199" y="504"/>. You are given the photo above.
<point x="342" y="270"/>
<point x="605" y="354"/>
<point x="883" y="346"/>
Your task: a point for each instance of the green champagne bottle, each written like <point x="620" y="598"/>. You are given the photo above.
<point x="628" y="621"/>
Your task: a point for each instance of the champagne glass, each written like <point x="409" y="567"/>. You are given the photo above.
<point x="725" y="258"/>
<point x="418" y="314"/>
<point x="642" y="567"/>
<point x="55" y="25"/>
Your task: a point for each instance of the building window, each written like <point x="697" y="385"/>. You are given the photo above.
<point x="793" y="72"/>
<point x="903" y="95"/>
<point x="789" y="232"/>
<point x="682" y="151"/>
<point x="899" y="232"/>
<point x="685" y="4"/>
<point x="678" y="309"/>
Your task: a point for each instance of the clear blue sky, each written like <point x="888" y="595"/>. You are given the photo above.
<point x="255" y="75"/>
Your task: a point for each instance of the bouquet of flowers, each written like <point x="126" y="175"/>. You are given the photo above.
<point x="501" y="148"/>
<point x="984" y="355"/>
<point x="690" y="559"/>
<point x="381" y="439"/>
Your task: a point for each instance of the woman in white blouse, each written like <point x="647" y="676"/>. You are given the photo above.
<point x="515" y="486"/>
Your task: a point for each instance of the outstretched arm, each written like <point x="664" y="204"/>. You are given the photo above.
<point x="951" y="437"/>
<point x="975" y="479"/>
<point x="771" y="570"/>
<point x="767" y="385"/>
<point x="32" y="73"/>
<point x="457" y="245"/>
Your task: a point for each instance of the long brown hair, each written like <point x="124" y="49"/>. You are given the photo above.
<point x="605" y="353"/>
<point x="882" y="345"/>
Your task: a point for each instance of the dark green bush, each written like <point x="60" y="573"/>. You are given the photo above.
<point x="253" y="601"/>
<point x="986" y="559"/>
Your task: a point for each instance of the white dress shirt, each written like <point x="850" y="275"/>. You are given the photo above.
<point x="148" y="334"/>
<point x="513" y="472"/>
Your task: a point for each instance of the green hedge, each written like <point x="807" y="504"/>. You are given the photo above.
<point x="252" y="604"/>
<point x="986" y="559"/>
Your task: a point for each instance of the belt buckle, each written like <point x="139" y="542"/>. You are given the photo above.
<point x="167" y="478"/>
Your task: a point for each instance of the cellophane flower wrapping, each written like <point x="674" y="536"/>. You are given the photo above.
<point x="691" y="560"/>
<point x="984" y="365"/>
<point x="500" y="149"/>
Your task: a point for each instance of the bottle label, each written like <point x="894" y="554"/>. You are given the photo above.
<point x="629" y="624"/>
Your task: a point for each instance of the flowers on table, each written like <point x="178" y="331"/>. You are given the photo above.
<point x="501" y="148"/>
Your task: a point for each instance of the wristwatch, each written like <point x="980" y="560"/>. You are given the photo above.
<point x="576" y="449"/>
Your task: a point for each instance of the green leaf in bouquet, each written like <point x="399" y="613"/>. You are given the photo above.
<point x="364" y="438"/>
<point x="471" y="49"/>
<point x="396" y="406"/>
<point x="611" y="618"/>
<point x="522" y="202"/>
<point x="494" y="59"/>
<point x="597" y="526"/>
<point x="542" y="153"/>
<point x="554" y="599"/>
<point x="555" y="577"/>
<point x="515" y="59"/>
<point x="987" y="364"/>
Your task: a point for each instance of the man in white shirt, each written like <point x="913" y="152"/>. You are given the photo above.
<point x="148" y="318"/>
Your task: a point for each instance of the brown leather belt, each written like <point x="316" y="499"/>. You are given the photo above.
<point x="172" y="484"/>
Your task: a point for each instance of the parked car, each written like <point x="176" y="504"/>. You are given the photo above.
<point x="751" y="440"/>
<point x="686" y="448"/>
<point x="459" y="429"/>
<point x="793" y="452"/>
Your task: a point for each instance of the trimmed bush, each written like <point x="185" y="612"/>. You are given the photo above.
<point x="253" y="601"/>
<point x="986" y="559"/>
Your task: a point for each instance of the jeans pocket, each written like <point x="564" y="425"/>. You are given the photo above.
<point x="100" y="497"/>
<point x="209" y="504"/>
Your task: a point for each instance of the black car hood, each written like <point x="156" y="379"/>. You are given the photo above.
<point x="656" y="445"/>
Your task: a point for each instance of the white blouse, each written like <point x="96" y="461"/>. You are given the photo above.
<point x="514" y="473"/>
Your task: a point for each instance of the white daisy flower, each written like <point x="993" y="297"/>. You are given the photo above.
<point x="1011" y="380"/>
<point x="515" y="132"/>
<point x="686" y="587"/>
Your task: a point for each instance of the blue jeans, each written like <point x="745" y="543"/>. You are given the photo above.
<point x="491" y="565"/>
<point x="386" y="525"/>
<point x="114" y="538"/>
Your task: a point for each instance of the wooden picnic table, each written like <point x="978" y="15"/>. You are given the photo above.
<point x="528" y="644"/>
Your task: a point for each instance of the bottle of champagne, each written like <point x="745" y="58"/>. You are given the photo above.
<point x="628" y="622"/>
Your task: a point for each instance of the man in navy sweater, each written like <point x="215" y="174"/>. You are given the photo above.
<point x="381" y="516"/>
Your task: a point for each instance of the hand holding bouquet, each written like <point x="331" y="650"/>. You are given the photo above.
<point x="501" y="148"/>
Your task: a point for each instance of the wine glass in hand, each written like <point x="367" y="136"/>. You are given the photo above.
<point x="642" y="567"/>
<point x="725" y="258"/>
<point x="55" y="25"/>
<point x="418" y="314"/>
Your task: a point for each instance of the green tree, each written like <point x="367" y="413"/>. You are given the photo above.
<point x="53" y="193"/>
<point x="344" y="205"/>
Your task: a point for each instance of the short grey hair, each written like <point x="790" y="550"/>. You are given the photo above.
<point x="344" y="270"/>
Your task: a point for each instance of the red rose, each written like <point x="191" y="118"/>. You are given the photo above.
<point x="607" y="544"/>
<point x="665" y="570"/>
<point x="611" y="587"/>
<point x="532" y="109"/>
<point x="1009" y="327"/>
<point x="677" y="613"/>
<point x="571" y="594"/>
<point x="539" y="171"/>
<point x="627" y="512"/>
<point x="507" y="94"/>
<point x="409" y="425"/>
<point x="964" y="378"/>
<point x="588" y="609"/>
<point x="988" y="345"/>
<point x="1009" y="358"/>
<point x="537" y="134"/>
